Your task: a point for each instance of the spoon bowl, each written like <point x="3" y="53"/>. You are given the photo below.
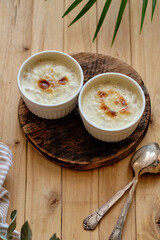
<point x="146" y="159"/>
<point x="153" y="168"/>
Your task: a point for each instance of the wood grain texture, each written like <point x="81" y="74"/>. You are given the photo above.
<point x="115" y="177"/>
<point x="43" y="196"/>
<point x="78" y="37"/>
<point x="43" y="180"/>
<point x="145" y="56"/>
<point x="121" y="48"/>
<point x="79" y="189"/>
<point x="81" y="151"/>
<point x="12" y="53"/>
<point x="57" y="199"/>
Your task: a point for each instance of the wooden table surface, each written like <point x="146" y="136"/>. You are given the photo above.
<point x="52" y="198"/>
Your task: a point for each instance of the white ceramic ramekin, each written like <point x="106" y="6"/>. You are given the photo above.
<point x="111" y="135"/>
<point x="51" y="111"/>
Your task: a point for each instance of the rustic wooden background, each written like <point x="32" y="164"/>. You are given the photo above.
<point x="52" y="198"/>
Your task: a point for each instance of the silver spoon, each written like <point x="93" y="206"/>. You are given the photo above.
<point x="139" y="158"/>
<point x="144" y="161"/>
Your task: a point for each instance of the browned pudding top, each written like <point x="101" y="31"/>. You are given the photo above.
<point x="50" y="84"/>
<point x="120" y="100"/>
<point x="44" y="84"/>
<point x="111" y="104"/>
<point x="50" y="81"/>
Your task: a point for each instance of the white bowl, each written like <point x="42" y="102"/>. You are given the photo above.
<point x="51" y="111"/>
<point x="104" y="134"/>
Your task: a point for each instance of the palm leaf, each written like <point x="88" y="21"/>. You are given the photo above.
<point x="144" y="7"/>
<point x="102" y="17"/>
<point x="119" y="18"/>
<point x="153" y="7"/>
<point x="88" y="5"/>
<point x="72" y="6"/>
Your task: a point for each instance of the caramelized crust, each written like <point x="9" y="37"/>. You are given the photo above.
<point x="63" y="81"/>
<point x="119" y="101"/>
<point x="48" y="84"/>
<point x="43" y="84"/>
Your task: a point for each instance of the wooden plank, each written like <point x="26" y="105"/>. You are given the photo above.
<point x="14" y="49"/>
<point x="43" y="197"/>
<point x="80" y="189"/>
<point x="145" y="55"/>
<point x="121" y="48"/>
<point x="80" y="198"/>
<point x="78" y="37"/>
<point x="115" y="177"/>
<point x="47" y="26"/>
<point x="43" y="202"/>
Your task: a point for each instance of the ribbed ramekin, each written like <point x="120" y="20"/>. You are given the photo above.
<point x="51" y="111"/>
<point x="110" y="135"/>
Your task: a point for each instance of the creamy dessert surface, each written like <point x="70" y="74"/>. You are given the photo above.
<point x="49" y="82"/>
<point x="111" y="105"/>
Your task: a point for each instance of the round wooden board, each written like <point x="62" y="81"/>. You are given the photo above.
<point x="66" y="142"/>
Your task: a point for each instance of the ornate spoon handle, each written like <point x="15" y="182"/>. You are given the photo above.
<point x="93" y="219"/>
<point x="117" y="231"/>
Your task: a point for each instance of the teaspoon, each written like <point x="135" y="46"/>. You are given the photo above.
<point x="145" y="161"/>
<point x="139" y="158"/>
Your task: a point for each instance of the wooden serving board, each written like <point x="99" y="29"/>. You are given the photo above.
<point x="66" y="142"/>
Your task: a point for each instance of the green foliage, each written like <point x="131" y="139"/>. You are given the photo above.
<point x="26" y="232"/>
<point x="73" y="5"/>
<point x="153" y="7"/>
<point x="102" y="17"/>
<point x="85" y="9"/>
<point x="90" y="3"/>
<point x="119" y="18"/>
<point x="54" y="237"/>
<point x="12" y="225"/>
<point x="144" y="7"/>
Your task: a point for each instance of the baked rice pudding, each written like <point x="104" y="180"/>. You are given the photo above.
<point x="111" y="104"/>
<point x="49" y="81"/>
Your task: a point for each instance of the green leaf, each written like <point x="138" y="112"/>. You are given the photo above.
<point x="153" y="8"/>
<point x="13" y="214"/>
<point x="12" y="225"/>
<point x="88" y="5"/>
<point x="102" y="17"/>
<point x="26" y="233"/>
<point x="71" y="7"/>
<point x="54" y="237"/>
<point x="119" y="18"/>
<point x="144" y="7"/>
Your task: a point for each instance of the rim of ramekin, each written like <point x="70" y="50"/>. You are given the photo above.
<point x="50" y="105"/>
<point x="107" y="129"/>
